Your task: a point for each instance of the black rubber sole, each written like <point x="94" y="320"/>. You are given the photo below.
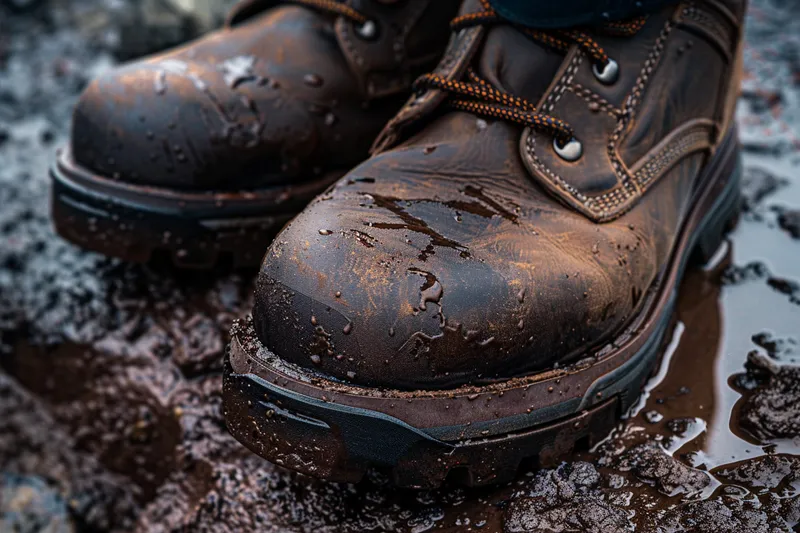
<point x="191" y="230"/>
<point x="336" y="432"/>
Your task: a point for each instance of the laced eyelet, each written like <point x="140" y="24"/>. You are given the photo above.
<point x="572" y="150"/>
<point x="608" y="74"/>
<point x="368" y="31"/>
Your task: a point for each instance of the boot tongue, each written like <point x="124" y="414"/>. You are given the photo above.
<point x="504" y="56"/>
<point x="516" y="64"/>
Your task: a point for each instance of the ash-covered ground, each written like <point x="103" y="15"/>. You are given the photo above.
<point x="110" y="414"/>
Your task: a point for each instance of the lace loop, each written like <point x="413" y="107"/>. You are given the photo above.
<point x="479" y="97"/>
<point x="495" y="104"/>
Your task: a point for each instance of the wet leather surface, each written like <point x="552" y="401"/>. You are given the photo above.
<point x="451" y="258"/>
<point x="110" y="390"/>
<point x="283" y="96"/>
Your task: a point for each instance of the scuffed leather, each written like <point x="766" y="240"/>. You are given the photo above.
<point x="274" y="98"/>
<point x="451" y="257"/>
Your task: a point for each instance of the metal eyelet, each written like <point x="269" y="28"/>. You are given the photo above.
<point x="368" y="31"/>
<point x="571" y="150"/>
<point x="609" y="73"/>
<point x="419" y="96"/>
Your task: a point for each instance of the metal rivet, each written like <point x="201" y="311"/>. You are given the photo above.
<point x="368" y="30"/>
<point x="607" y="74"/>
<point x="571" y="150"/>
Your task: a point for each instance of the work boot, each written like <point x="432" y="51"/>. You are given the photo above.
<point x="494" y="285"/>
<point x="204" y="152"/>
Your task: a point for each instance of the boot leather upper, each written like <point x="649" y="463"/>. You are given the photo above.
<point x="283" y="93"/>
<point x="466" y="250"/>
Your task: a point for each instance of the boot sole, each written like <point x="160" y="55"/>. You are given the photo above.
<point x="477" y="435"/>
<point x="192" y="229"/>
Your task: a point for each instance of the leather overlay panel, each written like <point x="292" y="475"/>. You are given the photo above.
<point x="631" y="53"/>
<point x="692" y="137"/>
<point x="712" y="24"/>
<point x="687" y="85"/>
<point x="368" y="59"/>
<point x="627" y="148"/>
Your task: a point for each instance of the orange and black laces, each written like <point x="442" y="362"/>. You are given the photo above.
<point x="477" y="96"/>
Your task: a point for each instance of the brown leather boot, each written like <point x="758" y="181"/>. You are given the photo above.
<point x="496" y="282"/>
<point x="209" y="149"/>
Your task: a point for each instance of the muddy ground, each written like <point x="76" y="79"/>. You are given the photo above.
<point x="110" y="412"/>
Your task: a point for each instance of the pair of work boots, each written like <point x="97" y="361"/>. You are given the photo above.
<point x="493" y="284"/>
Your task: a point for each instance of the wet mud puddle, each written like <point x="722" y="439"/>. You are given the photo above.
<point x="110" y="408"/>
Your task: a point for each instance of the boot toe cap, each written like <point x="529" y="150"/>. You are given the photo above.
<point x="359" y="288"/>
<point x="172" y="124"/>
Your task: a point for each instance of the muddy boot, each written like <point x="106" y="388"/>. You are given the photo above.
<point x="204" y="152"/>
<point x="495" y="284"/>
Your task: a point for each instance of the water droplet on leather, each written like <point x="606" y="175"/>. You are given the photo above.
<point x="160" y="84"/>
<point x="431" y="294"/>
<point x="316" y="359"/>
<point x="431" y="290"/>
<point x="238" y="70"/>
<point x="486" y="342"/>
<point x="313" y="80"/>
<point x="347" y="328"/>
<point x="313" y="320"/>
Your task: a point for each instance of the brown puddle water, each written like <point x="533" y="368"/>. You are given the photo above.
<point x="110" y="409"/>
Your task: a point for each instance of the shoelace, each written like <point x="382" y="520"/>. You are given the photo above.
<point x="479" y="97"/>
